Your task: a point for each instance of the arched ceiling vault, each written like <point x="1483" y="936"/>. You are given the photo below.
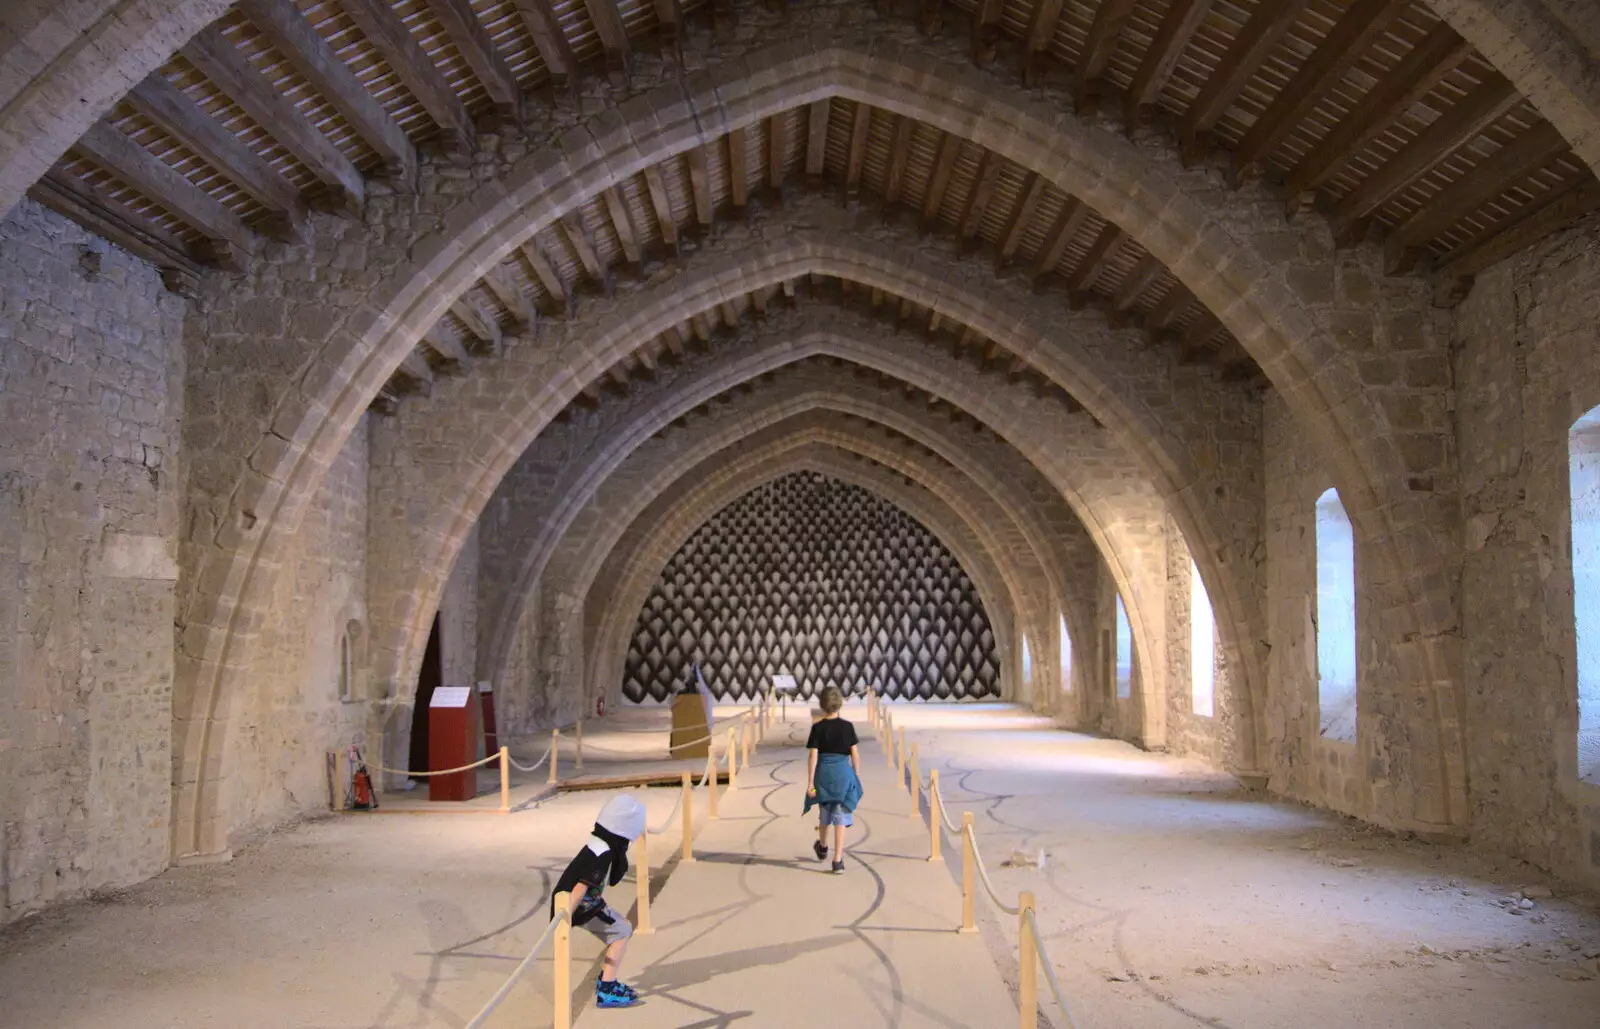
<point x="525" y="524"/>
<point x="733" y="472"/>
<point x="1373" y="110"/>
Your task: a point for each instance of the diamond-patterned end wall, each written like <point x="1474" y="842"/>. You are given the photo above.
<point x="820" y="579"/>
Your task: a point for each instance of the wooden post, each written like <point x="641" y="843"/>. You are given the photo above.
<point x="733" y="760"/>
<point x="561" y="959"/>
<point x="888" y="738"/>
<point x="744" y="743"/>
<point x="642" y="886"/>
<point x="916" y="785"/>
<point x="935" y="816"/>
<point x="579" y="732"/>
<point x="711" y="779"/>
<point x="688" y="818"/>
<point x="505" y="780"/>
<point x="1027" y="967"/>
<point x="555" y="752"/>
<point x="900" y="756"/>
<point x="969" y="875"/>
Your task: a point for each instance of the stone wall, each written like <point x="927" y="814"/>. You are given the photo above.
<point x="287" y="727"/>
<point x="1302" y="763"/>
<point x="1525" y="367"/>
<point x="91" y="370"/>
<point x="1202" y="736"/>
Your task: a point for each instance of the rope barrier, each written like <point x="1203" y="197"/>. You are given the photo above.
<point x="519" y="766"/>
<point x="521" y="970"/>
<point x="944" y="811"/>
<point x="983" y="874"/>
<point x="1049" y="971"/>
<point x="443" y="771"/>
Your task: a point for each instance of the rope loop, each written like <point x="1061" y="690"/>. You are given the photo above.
<point x="521" y="970"/>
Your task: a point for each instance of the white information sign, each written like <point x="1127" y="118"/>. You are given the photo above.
<point x="450" y="696"/>
<point x="785" y="684"/>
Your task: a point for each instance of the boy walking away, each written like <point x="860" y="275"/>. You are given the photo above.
<point x="833" y="779"/>
<point x="602" y="861"/>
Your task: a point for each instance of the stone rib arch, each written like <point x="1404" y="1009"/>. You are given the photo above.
<point x="1178" y="216"/>
<point x="1006" y="310"/>
<point x="718" y="482"/>
<point x="1079" y="460"/>
<point x="525" y="553"/>
<point x="1025" y="584"/>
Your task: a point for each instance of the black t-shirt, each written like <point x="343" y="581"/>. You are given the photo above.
<point x="832" y="736"/>
<point x="591" y="869"/>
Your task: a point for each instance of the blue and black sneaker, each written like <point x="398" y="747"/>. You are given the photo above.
<point x="614" y="994"/>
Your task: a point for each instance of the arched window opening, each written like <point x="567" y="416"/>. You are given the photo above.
<point x="1027" y="665"/>
<point x="1124" y="652"/>
<point x="1066" y="657"/>
<point x="1336" y="619"/>
<point x="1583" y="451"/>
<point x="347" y="660"/>
<point x="1202" y="646"/>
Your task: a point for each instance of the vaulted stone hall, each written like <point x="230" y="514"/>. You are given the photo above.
<point x="1174" y="425"/>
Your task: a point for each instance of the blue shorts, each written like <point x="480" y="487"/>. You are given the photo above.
<point x="832" y="814"/>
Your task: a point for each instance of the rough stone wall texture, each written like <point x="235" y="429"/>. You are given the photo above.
<point x="1527" y="339"/>
<point x="91" y="368"/>
<point x="1301" y="762"/>
<point x="286" y="728"/>
<point x="819" y="580"/>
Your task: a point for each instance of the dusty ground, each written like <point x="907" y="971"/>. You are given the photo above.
<point x="1172" y="898"/>
<point x="1169" y="897"/>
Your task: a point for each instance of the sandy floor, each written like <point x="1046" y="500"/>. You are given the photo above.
<point x="1169" y="897"/>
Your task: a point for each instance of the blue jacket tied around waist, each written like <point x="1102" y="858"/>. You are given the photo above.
<point x="836" y="783"/>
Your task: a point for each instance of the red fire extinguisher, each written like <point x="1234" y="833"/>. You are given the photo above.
<point x="600" y="708"/>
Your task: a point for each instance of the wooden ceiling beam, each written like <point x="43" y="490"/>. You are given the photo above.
<point x="701" y="326"/>
<point x="859" y="127"/>
<point x="700" y="185"/>
<point x="622" y="222"/>
<point x="190" y="124"/>
<point x="115" y="222"/>
<point x="899" y="157"/>
<point x="730" y="317"/>
<point x="817" y="139"/>
<point x="555" y="50"/>
<point x="738" y="172"/>
<point x="282" y="25"/>
<point x="1249" y="52"/>
<point x="1021" y="218"/>
<point x="661" y="203"/>
<point x="1170" y="308"/>
<point x="1197" y="337"/>
<point x="1556" y="209"/>
<point x="1036" y="40"/>
<point x="545" y="272"/>
<point x="758" y="302"/>
<point x="1138" y="280"/>
<point x="1450" y="131"/>
<point x="472" y="42"/>
<point x="159" y="181"/>
<point x="221" y="62"/>
<point x="442" y="341"/>
<point x="1172" y="38"/>
<point x="576" y="230"/>
<point x="1061" y="234"/>
<point x="400" y="50"/>
<point x="415" y="367"/>
<point x="484" y="326"/>
<point x="777" y="151"/>
<point x="1109" y="19"/>
<point x="1347" y="42"/>
<point x="1414" y="78"/>
<point x="499" y="282"/>
<point x="986" y="29"/>
<point x="944" y="163"/>
<point x="669" y="26"/>
<point x="1094" y="262"/>
<point x="978" y="200"/>
<point x="608" y="25"/>
<point x="1507" y="166"/>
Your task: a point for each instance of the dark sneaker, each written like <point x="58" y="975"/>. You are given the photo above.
<point x="820" y="850"/>
<point x="838" y="866"/>
<point x="614" y="994"/>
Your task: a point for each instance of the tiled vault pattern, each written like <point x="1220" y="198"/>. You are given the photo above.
<point x="822" y="580"/>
